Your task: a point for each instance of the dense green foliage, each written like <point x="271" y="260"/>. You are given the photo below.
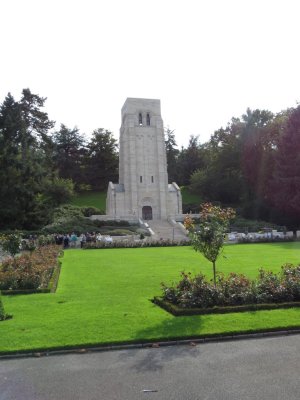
<point x="104" y="297"/>
<point x="252" y="164"/>
<point x="28" y="181"/>
<point x="235" y="289"/>
<point x="39" y="168"/>
<point x="69" y="218"/>
<point x="101" y="160"/>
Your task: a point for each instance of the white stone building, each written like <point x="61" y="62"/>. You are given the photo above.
<point x="143" y="191"/>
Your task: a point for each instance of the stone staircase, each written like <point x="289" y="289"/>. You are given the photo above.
<point x="165" y="230"/>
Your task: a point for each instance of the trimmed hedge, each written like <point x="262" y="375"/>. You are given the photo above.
<point x="179" y="311"/>
<point x="131" y="244"/>
<point x="247" y="240"/>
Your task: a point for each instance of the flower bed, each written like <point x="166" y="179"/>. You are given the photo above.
<point x="232" y="293"/>
<point x="37" y="272"/>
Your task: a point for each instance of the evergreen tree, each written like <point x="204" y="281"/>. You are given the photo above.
<point x="25" y="162"/>
<point x="172" y="155"/>
<point x="189" y="160"/>
<point x="102" y="159"/>
<point x="69" y="154"/>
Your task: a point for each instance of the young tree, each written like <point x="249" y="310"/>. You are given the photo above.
<point x="208" y="236"/>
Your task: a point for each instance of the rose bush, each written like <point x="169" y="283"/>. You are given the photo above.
<point x="235" y="289"/>
<point x="29" y="271"/>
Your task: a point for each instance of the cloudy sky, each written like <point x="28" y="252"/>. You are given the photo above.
<point x="207" y="60"/>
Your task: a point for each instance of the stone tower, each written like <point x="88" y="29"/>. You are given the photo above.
<point x="143" y="190"/>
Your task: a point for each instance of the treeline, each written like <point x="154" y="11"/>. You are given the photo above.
<point x="253" y="165"/>
<point x="40" y="167"/>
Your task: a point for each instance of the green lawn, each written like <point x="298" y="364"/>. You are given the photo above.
<point x="103" y="297"/>
<point x="190" y="198"/>
<point x="90" y="199"/>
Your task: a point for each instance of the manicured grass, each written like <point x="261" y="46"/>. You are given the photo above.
<point x="103" y="297"/>
<point x="190" y="198"/>
<point x="90" y="199"/>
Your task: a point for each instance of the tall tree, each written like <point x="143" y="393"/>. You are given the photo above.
<point x="102" y="159"/>
<point x="189" y="160"/>
<point x="285" y="193"/>
<point x="23" y="126"/>
<point x="172" y="155"/>
<point x="69" y="154"/>
<point x="25" y="171"/>
<point x="220" y="177"/>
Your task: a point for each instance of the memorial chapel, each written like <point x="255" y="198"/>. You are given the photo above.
<point x="143" y="191"/>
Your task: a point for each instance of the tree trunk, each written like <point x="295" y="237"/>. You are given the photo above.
<point x="214" y="269"/>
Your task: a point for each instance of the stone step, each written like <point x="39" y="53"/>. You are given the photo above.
<point x="164" y="230"/>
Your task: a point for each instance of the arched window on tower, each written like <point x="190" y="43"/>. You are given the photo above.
<point x="148" y="119"/>
<point x="140" y="119"/>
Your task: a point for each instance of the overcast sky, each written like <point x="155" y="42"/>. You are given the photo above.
<point x="207" y="61"/>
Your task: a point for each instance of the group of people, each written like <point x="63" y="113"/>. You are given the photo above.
<point x="73" y="241"/>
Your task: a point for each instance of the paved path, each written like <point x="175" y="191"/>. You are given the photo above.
<point x="259" y="369"/>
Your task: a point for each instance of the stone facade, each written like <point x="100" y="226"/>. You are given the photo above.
<point x="143" y="191"/>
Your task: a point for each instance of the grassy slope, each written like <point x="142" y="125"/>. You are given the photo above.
<point x="103" y="297"/>
<point x="190" y="198"/>
<point x="91" y="199"/>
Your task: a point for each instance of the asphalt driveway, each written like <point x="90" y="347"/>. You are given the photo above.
<point x="263" y="369"/>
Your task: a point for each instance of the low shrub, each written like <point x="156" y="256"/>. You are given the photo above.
<point x="88" y="211"/>
<point x="118" y="232"/>
<point x="77" y="224"/>
<point x="284" y="239"/>
<point x="235" y="289"/>
<point x="11" y="243"/>
<point x="243" y="224"/>
<point x="29" y="271"/>
<point x="130" y="244"/>
<point x="120" y="223"/>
